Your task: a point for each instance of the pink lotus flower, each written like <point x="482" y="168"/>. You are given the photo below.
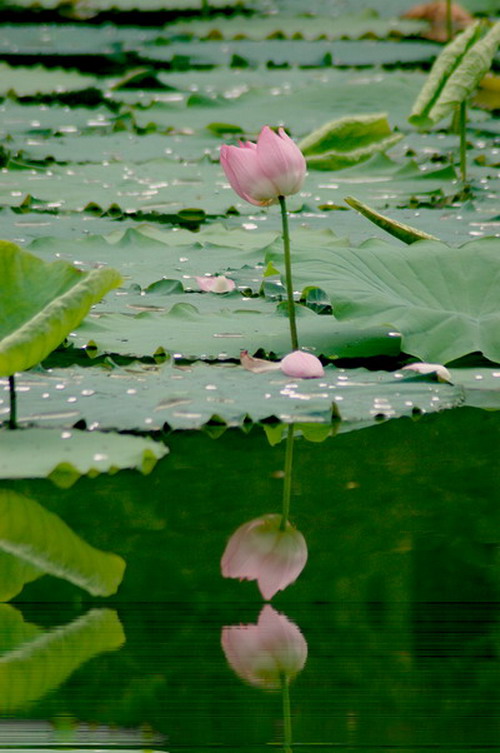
<point x="267" y="653"/>
<point x="300" y="364"/>
<point x="218" y="284"/>
<point x="262" y="172"/>
<point x="259" y="550"/>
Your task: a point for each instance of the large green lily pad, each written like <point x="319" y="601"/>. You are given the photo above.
<point x="148" y="398"/>
<point x="190" y="333"/>
<point x="443" y="300"/>
<point x="310" y="27"/>
<point x="28" y="82"/>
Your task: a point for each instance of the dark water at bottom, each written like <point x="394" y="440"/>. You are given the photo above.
<point x="389" y="639"/>
<point x="406" y="676"/>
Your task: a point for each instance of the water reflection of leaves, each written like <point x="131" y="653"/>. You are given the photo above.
<point x="268" y="654"/>
<point x="34" y="541"/>
<point x="36" y="662"/>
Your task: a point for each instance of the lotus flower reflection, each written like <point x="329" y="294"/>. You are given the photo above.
<point x="267" y="654"/>
<point x="260" y="173"/>
<point x="259" y="550"/>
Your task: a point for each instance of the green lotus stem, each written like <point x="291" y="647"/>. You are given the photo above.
<point x="288" y="275"/>
<point x="449" y="23"/>
<point x="287" y="482"/>
<point x="462" y="122"/>
<point x="287" y="715"/>
<point x="13" y="403"/>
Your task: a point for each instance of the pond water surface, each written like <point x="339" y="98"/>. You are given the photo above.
<point x="388" y="639"/>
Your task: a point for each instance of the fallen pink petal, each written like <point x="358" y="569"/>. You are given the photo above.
<point x="258" y="365"/>
<point x="441" y="372"/>
<point x="267" y="653"/>
<point x="302" y="365"/>
<point x="219" y="284"/>
<point x="259" y="550"/>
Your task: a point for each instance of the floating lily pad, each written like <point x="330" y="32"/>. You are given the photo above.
<point x="147" y="398"/>
<point x="346" y="26"/>
<point x="443" y="300"/>
<point x="65" y="456"/>
<point x="28" y="82"/>
<point x="186" y="331"/>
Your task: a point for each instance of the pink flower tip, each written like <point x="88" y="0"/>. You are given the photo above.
<point x="303" y="365"/>
<point x="219" y="284"/>
<point x="262" y="172"/>
<point x="260" y="550"/>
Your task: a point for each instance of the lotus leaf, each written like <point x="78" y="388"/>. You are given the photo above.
<point x="348" y="141"/>
<point x="65" y="456"/>
<point x="41" y="303"/>
<point x="455" y="74"/>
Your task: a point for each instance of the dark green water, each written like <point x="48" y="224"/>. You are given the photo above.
<point x="398" y="604"/>
<point x="404" y="676"/>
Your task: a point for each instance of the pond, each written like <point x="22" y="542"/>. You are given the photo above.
<point x="390" y="635"/>
<point x="202" y="547"/>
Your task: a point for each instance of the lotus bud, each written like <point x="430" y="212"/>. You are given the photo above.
<point x="300" y="364"/>
<point x="268" y="653"/>
<point x="262" y="172"/>
<point x="259" y="550"/>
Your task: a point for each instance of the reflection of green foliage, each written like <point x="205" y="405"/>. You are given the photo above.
<point x="382" y="493"/>
<point x="380" y="666"/>
<point x="14" y="630"/>
<point x="40" y="662"/>
<point x="34" y="541"/>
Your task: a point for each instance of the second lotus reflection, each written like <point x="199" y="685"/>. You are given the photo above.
<point x="268" y="654"/>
